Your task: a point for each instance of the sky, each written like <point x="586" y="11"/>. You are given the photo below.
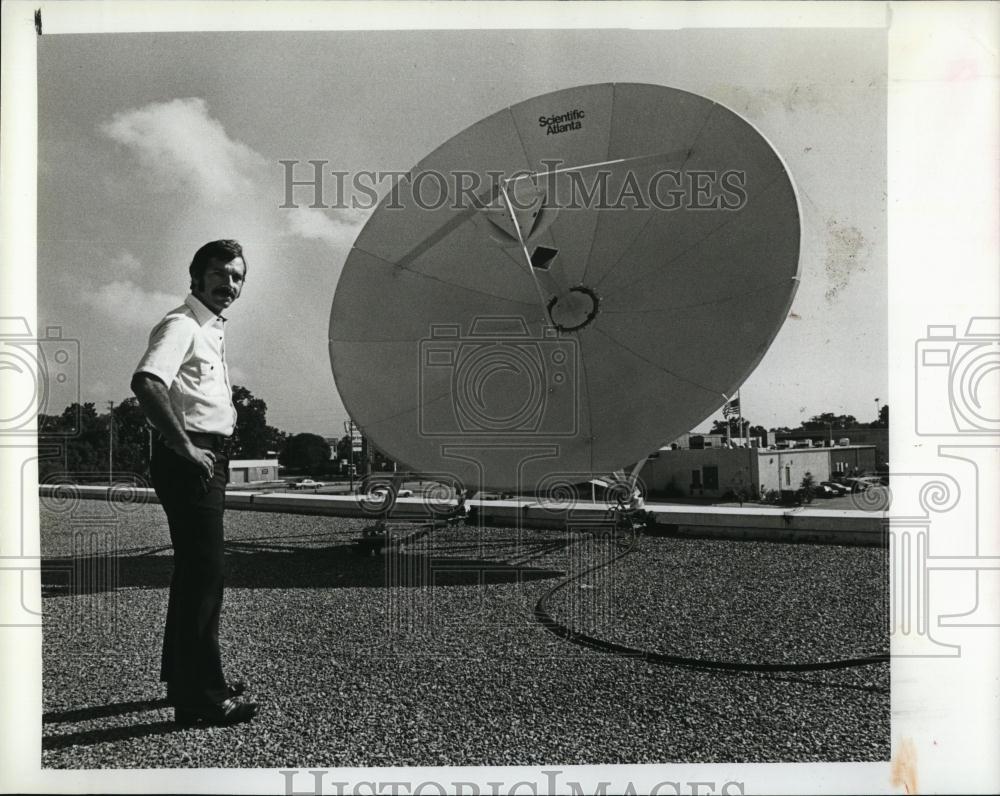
<point x="152" y="144"/>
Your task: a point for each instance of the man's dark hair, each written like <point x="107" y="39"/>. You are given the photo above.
<point x="222" y="250"/>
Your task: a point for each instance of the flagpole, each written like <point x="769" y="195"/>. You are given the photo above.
<point x="751" y="486"/>
<point x="739" y="403"/>
<point x="725" y="416"/>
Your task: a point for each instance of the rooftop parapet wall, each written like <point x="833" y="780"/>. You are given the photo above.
<point x="801" y="524"/>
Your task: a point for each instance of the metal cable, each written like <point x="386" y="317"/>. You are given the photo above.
<point x="544" y="617"/>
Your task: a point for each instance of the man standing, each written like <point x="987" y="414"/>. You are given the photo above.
<point x="182" y="384"/>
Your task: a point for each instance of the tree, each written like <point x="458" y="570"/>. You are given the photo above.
<point x="131" y="438"/>
<point x="883" y="418"/>
<point x="309" y="452"/>
<point x="738" y="488"/>
<point x="74" y="442"/>
<point x="380" y="462"/>
<point x="807" y="487"/>
<point x="253" y="437"/>
<point x="344" y="449"/>
<point x="829" y="420"/>
<point x="79" y="441"/>
<point x="721" y="427"/>
<point x="731" y="427"/>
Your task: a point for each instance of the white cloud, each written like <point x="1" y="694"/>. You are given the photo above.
<point x="125" y="262"/>
<point x="183" y="147"/>
<point x="127" y="304"/>
<point x="338" y="228"/>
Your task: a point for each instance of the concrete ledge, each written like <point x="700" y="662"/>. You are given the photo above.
<point x="723" y="522"/>
<point x="776" y="524"/>
<point x="122" y="493"/>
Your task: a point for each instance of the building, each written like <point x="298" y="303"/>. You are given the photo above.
<point x="878" y="437"/>
<point x="248" y="471"/>
<point x="695" y="441"/>
<point x="716" y="472"/>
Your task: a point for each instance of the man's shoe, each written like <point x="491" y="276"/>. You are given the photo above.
<point x="229" y="711"/>
<point x="237" y="687"/>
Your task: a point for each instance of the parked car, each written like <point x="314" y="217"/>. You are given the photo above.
<point x="838" y="489"/>
<point x="381" y="488"/>
<point x="823" y="491"/>
<point x="861" y="484"/>
<point x="307" y="483"/>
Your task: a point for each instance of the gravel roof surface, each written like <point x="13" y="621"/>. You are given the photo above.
<point x="434" y="657"/>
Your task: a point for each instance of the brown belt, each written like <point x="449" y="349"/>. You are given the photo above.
<point x="215" y="442"/>
<point x="212" y="442"/>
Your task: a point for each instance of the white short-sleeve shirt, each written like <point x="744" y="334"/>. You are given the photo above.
<point x="187" y="352"/>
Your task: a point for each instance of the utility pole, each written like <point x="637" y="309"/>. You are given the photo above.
<point x="111" y="442"/>
<point x="878" y="410"/>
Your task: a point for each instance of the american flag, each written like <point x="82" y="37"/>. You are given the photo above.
<point x="731" y="409"/>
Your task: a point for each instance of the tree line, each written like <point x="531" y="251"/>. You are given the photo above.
<point x="821" y="422"/>
<point x="86" y="444"/>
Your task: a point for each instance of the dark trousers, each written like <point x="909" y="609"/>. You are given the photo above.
<point x="191" y="665"/>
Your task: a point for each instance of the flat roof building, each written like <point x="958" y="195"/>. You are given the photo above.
<point x="716" y="472"/>
<point x="248" y="471"/>
<point x="877" y="437"/>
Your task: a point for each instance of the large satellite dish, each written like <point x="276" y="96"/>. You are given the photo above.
<point x="566" y="285"/>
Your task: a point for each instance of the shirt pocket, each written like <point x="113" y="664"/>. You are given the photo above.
<point x="212" y="380"/>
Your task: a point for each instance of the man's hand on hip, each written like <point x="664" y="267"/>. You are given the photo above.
<point x="203" y="458"/>
<point x="155" y="402"/>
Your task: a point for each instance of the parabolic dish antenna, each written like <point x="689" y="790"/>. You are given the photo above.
<point x="566" y="285"/>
